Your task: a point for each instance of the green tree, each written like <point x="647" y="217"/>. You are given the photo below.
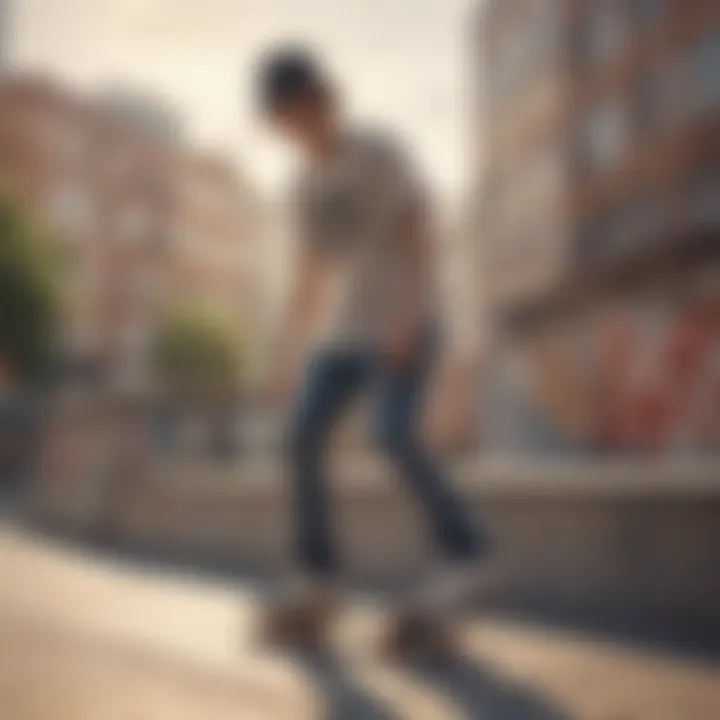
<point x="197" y="351"/>
<point x="30" y="294"/>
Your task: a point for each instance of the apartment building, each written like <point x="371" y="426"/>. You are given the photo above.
<point x="143" y="219"/>
<point x="598" y="212"/>
<point x="5" y="33"/>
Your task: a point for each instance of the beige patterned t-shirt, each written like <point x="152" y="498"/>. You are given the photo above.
<point x="349" y="210"/>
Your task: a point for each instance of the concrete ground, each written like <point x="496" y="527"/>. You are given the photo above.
<point x="84" y="637"/>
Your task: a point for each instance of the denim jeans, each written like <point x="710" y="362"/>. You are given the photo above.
<point x="334" y="378"/>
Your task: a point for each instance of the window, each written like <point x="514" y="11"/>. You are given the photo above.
<point x="606" y="135"/>
<point x="119" y="164"/>
<point x="601" y="35"/>
<point x="705" y="196"/>
<point x="68" y="143"/>
<point x="509" y="65"/>
<point x="591" y="239"/>
<point x="660" y="100"/>
<point x="646" y="13"/>
<point x="641" y="221"/>
<point x="625" y="228"/>
<point x="70" y="208"/>
<point x="133" y="222"/>
<point x="540" y="178"/>
<point x="705" y="63"/>
<point x="526" y="40"/>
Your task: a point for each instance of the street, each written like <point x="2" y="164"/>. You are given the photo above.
<point x="87" y="637"/>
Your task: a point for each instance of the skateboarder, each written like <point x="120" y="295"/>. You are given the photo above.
<point x="362" y="300"/>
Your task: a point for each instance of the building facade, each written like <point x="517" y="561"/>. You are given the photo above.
<point x="143" y="220"/>
<point x="598" y="221"/>
<point x="5" y="33"/>
<point x="143" y="110"/>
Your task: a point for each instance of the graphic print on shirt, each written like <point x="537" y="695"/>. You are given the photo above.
<point x="337" y="217"/>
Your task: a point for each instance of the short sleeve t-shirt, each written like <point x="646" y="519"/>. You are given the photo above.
<point x="349" y="209"/>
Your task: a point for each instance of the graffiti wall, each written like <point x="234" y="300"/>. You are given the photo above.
<point x="639" y="378"/>
<point x="659" y="380"/>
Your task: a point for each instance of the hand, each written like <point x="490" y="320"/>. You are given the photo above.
<point x="281" y="385"/>
<point x="401" y="349"/>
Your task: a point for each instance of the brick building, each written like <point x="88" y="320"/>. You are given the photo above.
<point x="5" y="33"/>
<point x="143" y="220"/>
<point x="599" y="207"/>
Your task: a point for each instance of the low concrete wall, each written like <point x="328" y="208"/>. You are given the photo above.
<point x="633" y="540"/>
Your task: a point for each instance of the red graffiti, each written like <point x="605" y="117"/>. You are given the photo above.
<point x="659" y="380"/>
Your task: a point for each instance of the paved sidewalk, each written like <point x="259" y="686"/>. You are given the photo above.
<point x="85" y="638"/>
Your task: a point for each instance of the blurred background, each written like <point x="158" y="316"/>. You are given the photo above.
<point x="574" y="151"/>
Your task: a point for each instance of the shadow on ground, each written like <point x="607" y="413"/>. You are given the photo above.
<point x="343" y="697"/>
<point x="476" y="692"/>
<point x="481" y="693"/>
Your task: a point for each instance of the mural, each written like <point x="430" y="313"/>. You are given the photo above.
<point x="659" y="380"/>
<point x="631" y="379"/>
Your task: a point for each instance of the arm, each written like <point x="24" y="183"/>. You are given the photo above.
<point x="308" y="287"/>
<point x="414" y="238"/>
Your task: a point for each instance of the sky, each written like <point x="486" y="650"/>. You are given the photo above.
<point x="400" y="62"/>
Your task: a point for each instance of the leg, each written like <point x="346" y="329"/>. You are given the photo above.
<point x="425" y="623"/>
<point x="332" y="381"/>
<point x="400" y="406"/>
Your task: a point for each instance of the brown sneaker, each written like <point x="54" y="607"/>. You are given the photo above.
<point x="412" y="635"/>
<point x="429" y="622"/>
<point x="301" y="616"/>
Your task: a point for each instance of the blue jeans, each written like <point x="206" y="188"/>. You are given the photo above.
<point x="333" y="379"/>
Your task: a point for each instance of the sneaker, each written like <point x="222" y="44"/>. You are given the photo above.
<point x="301" y="613"/>
<point x="456" y="588"/>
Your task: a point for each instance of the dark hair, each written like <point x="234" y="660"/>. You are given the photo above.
<point x="286" y="73"/>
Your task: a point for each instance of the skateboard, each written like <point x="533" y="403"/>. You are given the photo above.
<point x="302" y="625"/>
<point x="412" y="635"/>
